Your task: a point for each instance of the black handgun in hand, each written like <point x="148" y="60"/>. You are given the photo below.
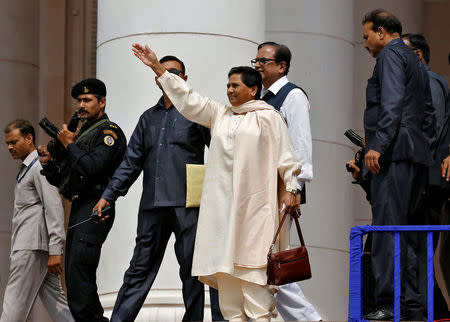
<point x="96" y="218"/>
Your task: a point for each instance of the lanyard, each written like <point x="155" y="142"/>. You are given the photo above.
<point x="28" y="169"/>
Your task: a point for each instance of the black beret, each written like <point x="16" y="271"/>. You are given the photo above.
<point x="92" y="86"/>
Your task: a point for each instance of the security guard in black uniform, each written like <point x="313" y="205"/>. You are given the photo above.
<point x="92" y="155"/>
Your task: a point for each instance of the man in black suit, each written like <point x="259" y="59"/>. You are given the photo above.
<point x="438" y="189"/>
<point x="399" y="125"/>
<point x="440" y="95"/>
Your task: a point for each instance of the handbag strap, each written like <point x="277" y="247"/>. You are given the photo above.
<point x="299" y="231"/>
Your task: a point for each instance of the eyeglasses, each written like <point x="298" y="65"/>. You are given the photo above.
<point x="262" y="61"/>
<point x="174" y="71"/>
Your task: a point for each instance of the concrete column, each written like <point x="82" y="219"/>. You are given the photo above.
<point x="324" y="37"/>
<point x="18" y="78"/>
<point x="210" y="37"/>
<point x="320" y="36"/>
<point x="52" y="60"/>
<point x="32" y="78"/>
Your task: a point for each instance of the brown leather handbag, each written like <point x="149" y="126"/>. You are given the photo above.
<point x="289" y="265"/>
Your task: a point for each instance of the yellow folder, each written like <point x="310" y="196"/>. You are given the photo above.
<point x="195" y="173"/>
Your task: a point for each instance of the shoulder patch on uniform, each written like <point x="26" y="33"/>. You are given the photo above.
<point x="113" y="126"/>
<point x="114" y="135"/>
<point x="109" y="140"/>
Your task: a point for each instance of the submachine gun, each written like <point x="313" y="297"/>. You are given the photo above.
<point x="359" y="155"/>
<point x="54" y="147"/>
<point x="58" y="168"/>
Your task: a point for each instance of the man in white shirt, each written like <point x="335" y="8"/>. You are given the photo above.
<point x="37" y="235"/>
<point x="273" y="62"/>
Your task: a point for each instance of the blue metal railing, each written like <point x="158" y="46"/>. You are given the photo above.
<point x="355" y="303"/>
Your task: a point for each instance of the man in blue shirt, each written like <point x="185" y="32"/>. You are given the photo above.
<point x="161" y="145"/>
<point x="400" y="127"/>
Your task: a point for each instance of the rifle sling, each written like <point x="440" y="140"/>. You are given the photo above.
<point x="90" y="129"/>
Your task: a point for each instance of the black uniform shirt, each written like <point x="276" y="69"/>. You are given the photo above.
<point x="161" y="145"/>
<point x="95" y="167"/>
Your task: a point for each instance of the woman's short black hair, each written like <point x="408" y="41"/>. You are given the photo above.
<point x="249" y="76"/>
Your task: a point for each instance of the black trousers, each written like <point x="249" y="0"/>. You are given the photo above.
<point x="216" y="315"/>
<point x="445" y="240"/>
<point x="83" y="248"/>
<point x="394" y="191"/>
<point x="154" y="229"/>
<point x="431" y="209"/>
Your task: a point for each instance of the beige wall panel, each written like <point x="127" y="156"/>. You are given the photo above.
<point x="436" y="30"/>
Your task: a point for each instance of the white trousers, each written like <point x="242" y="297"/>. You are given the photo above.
<point x="293" y="305"/>
<point x="27" y="279"/>
<point x="240" y="300"/>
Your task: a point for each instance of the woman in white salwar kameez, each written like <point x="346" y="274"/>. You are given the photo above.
<point x="250" y="148"/>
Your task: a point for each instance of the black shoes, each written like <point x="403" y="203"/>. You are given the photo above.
<point x="381" y="314"/>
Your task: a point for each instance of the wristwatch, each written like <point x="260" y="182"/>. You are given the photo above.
<point x="294" y="191"/>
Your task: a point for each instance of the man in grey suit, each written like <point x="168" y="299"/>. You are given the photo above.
<point x="37" y="234"/>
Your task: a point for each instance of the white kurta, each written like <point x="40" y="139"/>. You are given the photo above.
<point x="239" y="212"/>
